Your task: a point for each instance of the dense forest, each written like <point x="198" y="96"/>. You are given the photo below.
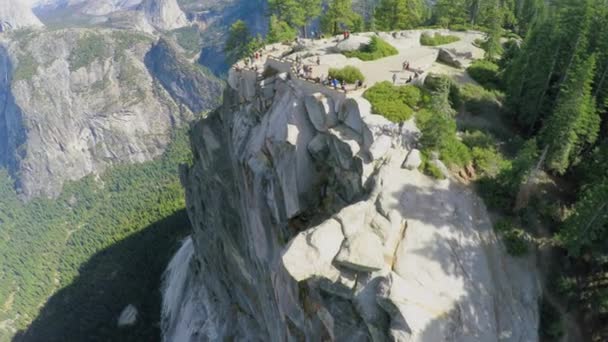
<point x="104" y="242"/>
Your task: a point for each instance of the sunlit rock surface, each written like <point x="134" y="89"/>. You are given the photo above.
<point x="312" y="223"/>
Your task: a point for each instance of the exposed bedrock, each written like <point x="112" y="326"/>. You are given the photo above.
<point x="312" y="222"/>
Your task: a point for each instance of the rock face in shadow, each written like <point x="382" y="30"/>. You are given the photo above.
<point x="307" y="228"/>
<point x="76" y="101"/>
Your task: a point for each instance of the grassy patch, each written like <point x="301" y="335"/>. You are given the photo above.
<point x="88" y="48"/>
<point x="437" y="39"/>
<point x="27" y="68"/>
<point x="348" y="74"/>
<point x="376" y="49"/>
<point x="485" y="73"/>
<point x="396" y="103"/>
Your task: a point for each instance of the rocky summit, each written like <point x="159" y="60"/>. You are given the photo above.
<point x="312" y="222"/>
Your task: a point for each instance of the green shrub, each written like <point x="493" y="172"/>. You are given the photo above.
<point x="439" y="134"/>
<point x="396" y="103"/>
<point x="348" y="74"/>
<point x="454" y="153"/>
<point x="485" y="73"/>
<point x="27" y="67"/>
<point x="478" y="100"/>
<point x="487" y="159"/>
<point x="376" y="49"/>
<point x="437" y="39"/>
<point x="429" y="168"/>
<point x="513" y="237"/>
<point x="88" y="48"/>
<point x="433" y="83"/>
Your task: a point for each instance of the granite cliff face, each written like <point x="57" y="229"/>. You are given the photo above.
<point x="312" y="223"/>
<point x="16" y="14"/>
<point x="75" y="101"/>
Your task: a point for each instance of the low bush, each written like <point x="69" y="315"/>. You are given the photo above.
<point x="487" y="159"/>
<point x="376" y="49"/>
<point x="485" y="73"/>
<point x="437" y="39"/>
<point x="430" y="169"/>
<point x="27" y="67"/>
<point x="396" y="103"/>
<point x="439" y="134"/>
<point x="478" y="100"/>
<point x="513" y="237"/>
<point x="433" y="83"/>
<point x="348" y="74"/>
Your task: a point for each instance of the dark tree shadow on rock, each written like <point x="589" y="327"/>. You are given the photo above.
<point x="128" y="272"/>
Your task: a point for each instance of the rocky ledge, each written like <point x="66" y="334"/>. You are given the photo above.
<point x="312" y="222"/>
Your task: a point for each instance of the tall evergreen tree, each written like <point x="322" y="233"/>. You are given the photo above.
<point x="279" y="31"/>
<point x="338" y="16"/>
<point x="399" y="14"/>
<point x="492" y="45"/>
<point x="575" y="121"/>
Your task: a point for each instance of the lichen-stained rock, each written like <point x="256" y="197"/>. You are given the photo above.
<point x="80" y="100"/>
<point x="311" y="253"/>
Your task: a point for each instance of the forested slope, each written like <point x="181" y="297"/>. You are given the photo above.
<point x="104" y="242"/>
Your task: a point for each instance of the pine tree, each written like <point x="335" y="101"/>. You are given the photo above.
<point x="399" y="14"/>
<point x="279" y="31"/>
<point x="575" y="121"/>
<point x="338" y="16"/>
<point x="587" y="227"/>
<point x="449" y="12"/>
<point x="492" y="45"/>
<point x="238" y="42"/>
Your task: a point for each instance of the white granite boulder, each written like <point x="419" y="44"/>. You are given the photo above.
<point x="362" y="252"/>
<point x="352" y="44"/>
<point x="413" y="160"/>
<point x="311" y="252"/>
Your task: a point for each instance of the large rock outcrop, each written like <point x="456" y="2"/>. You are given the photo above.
<point x="16" y="14"/>
<point x="76" y="101"/>
<point x="306" y="227"/>
<point x="164" y="14"/>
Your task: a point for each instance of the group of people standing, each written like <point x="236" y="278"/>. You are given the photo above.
<point x="406" y="67"/>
